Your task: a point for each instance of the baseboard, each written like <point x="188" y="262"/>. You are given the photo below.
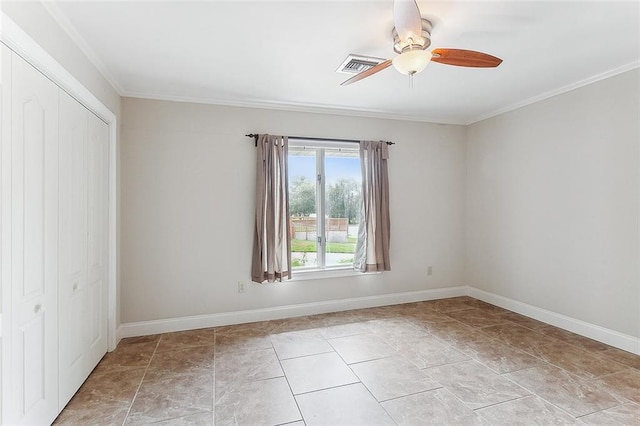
<point x="592" y="331"/>
<point x="144" y="328"/>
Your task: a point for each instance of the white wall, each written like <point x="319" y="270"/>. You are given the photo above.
<point x="553" y="204"/>
<point x="188" y="179"/>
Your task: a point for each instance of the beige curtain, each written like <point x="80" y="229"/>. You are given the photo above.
<point x="372" y="249"/>
<point x="272" y="242"/>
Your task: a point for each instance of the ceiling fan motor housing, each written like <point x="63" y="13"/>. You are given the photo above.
<point x="422" y="43"/>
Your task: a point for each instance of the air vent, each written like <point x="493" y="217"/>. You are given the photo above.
<point x="355" y="64"/>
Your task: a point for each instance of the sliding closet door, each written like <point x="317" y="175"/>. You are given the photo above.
<point x="33" y="252"/>
<point x="98" y="228"/>
<point x="73" y="288"/>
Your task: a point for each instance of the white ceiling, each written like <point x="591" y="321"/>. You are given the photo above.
<point x="284" y="54"/>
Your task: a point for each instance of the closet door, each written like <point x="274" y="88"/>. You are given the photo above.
<point x="73" y="288"/>
<point x="98" y="228"/>
<point x="84" y="160"/>
<point x="5" y="209"/>
<point x="33" y="254"/>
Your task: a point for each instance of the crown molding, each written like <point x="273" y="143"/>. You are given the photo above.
<point x="295" y="107"/>
<point x="61" y="18"/>
<point x="559" y="91"/>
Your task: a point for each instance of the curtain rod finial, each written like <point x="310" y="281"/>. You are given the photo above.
<point x="254" y="136"/>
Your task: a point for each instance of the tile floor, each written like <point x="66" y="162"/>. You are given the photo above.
<point x="450" y="361"/>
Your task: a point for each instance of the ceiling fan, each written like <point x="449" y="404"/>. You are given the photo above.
<point x="412" y="37"/>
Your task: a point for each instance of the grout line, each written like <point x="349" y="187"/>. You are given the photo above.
<point x="178" y="417"/>
<point x="620" y="401"/>
<point x="363" y="384"/>
<point x="289" y="385"/>
<point x="553" y="404"/>
<point x="626" y="369"/>
<point x="374" y="359"/>
<point x="135" y="395"/>
<point x="412" y="394"/>
<point x="531" y="367"/>
<point x="601" y="410"/>
<point x="330" y="387"/>
<point x="539" y="396"/>
<point x="264" y="379"/>
<point x="215" y="360"/>
<point x="290" y="423"/>
<point x="503" y="402"/>
<point x="448" y="363"/>
<point x="305" y="356"/>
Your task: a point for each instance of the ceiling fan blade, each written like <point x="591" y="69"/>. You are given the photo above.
<point x="367" y="73"/>
<point x="465" y="58"/>
<point x="407" y="19"/>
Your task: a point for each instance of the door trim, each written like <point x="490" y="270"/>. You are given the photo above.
<point x="22" y="44"/>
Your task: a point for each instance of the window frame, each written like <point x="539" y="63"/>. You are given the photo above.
<point x="321" y="270"/>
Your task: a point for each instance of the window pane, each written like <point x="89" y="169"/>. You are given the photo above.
<point x="302" y="208"/>
<point x="343" y="197"/>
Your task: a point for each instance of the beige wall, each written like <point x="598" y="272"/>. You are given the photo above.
<point x="553" y="204"/>
<point x="188" y="176"/>
<point x="540" y="205"/>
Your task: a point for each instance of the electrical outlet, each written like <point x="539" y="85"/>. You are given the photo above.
<point x="430" y="270"/>
<point x="241" y="288"/>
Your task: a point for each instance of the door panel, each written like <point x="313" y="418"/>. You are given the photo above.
<point x="5" y="218"/>
<point x="73" y="299"/>
<point x="96" y="331"/>
<point x="97" y="218"/>
<point x="31" y="337"/>
<point x="34" y="247"/>
<point x="30" y="172"/>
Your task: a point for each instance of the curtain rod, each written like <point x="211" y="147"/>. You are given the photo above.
<point x="304" y="138"/>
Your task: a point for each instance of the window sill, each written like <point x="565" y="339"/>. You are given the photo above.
<point x="319" y="274"/>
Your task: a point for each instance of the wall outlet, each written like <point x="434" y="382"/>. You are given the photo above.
<point x="241" y="287"/>
<point x="430" y="270"/>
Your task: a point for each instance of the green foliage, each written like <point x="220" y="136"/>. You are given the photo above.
<point x="344" y="199"/>
<point x="304" y="246"/>
<point x="341" y="248"/>
<point x="297" y="263"/>
<point x="302" y="197"/>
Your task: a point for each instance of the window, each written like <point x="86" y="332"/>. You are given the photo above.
<point x="325" y="198"/>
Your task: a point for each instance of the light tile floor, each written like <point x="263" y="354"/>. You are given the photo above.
<point x="450" y="361"/>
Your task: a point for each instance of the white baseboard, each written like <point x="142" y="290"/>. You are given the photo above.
<point x="601" y="334"/>
<point x="592" y="331"/>
<point x="144" y="328"/>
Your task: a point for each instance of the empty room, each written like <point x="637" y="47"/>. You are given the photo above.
<point x="306" y="212"/>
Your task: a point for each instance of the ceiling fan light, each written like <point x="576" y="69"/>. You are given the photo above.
<point x="412" y="61"/>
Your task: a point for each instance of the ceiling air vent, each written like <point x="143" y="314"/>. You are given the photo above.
<point x="355" y="64"/>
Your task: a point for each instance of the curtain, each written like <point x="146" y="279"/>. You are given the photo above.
<point x="272" y="241"/>
<point x="372" y="249"/>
